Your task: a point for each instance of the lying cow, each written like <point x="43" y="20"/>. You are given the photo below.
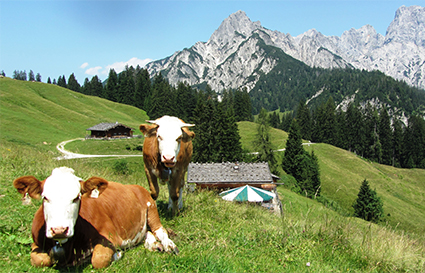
<point x="79" y="219"/>
<point x="167" y="151"/>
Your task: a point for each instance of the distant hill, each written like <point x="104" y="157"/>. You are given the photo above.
<point x="40" y="114"/>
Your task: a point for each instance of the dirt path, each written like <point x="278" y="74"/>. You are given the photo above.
<point x="70" y="155"/>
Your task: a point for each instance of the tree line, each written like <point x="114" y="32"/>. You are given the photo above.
<point x="366" y="130"/>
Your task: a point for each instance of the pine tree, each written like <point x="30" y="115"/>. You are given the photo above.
<point x="143" y="88"/>
<point x="31" y="76"/>
<point x="96" y="86"/>
<point x="262" y="142"/>
<point x="368" y="205"/>
<point x="111" y="86"/>
<point x="49" y="80"/>
<point x="303" y="117"/>
<point x="162" y="100"/>
<point x="38" y="77"/>
<point x="397" y="143"/>
<point x="385" y="137"/>
<point x="203" y="144"/>
<point x="73" y="84"/>
<point x="293" y="151"/>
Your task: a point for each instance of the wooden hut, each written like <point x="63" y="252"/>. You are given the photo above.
<point x="231" y="175"/>
<point x="110" y="130"/>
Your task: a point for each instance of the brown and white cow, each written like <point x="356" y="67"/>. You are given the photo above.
<point x="96" y="218"/>
<point x="167" y="151"/>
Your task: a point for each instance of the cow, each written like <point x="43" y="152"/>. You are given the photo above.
<point x="167" y="151"/>
<point x="93" y="218"/>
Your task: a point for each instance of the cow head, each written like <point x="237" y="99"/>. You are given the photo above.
<point x="170" y="132"/>
<point x="61" y="193"/>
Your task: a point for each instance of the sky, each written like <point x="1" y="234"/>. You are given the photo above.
<point x="89" y="37"/>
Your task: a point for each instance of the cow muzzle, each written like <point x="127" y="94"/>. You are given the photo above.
<point x="59" y="233"/>
<point x="168" y="160"/>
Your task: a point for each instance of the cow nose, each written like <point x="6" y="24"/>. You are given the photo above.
<point x="59" y="231"/>
<point x="168" y="158"/>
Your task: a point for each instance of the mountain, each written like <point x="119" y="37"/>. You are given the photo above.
<point x="233" y="58"/>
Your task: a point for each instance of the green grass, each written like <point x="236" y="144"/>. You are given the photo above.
<point x="42" y="115"/>
<point x="213" y="235"/>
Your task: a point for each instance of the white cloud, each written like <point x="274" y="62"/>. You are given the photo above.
<point x="84" y="65"/>
<point x="93" y="71"/>
<point x="120" y="66"/>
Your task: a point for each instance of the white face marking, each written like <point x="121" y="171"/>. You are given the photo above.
<point x="61" y="203"/>
<point x="169" y="134"/>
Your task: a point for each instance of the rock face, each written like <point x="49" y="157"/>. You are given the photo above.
<point x="239" y="51"/>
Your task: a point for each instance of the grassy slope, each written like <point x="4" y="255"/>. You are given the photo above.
<point x="213" y="235"/>
<point x="33" y="113"/>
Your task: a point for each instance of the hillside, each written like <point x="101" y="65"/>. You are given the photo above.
<point x="33" y="113"/>
<point x="213" y="235"/>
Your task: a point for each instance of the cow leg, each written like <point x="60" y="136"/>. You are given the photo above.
<point x="158" y="230"/>
<point x="153" y="183"/>
<point x="102" y="256"/>
<point x="39" y="258"/>
<point x="174" y="198"/>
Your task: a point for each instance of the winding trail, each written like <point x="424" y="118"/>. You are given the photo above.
<point x="70" y="155"/>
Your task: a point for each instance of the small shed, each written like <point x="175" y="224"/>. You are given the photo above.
<point x="231" y="175"/>
<point x="110" y="130"/>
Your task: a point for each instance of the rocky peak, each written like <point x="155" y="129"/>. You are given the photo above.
<point x="408" y="26"/>
<point x="237" y="23"/>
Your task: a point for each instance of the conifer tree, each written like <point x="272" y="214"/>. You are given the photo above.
<point x="293" y="151"/>
<point x="96" y="86"/>
<point x="397" y="143"/>
<point x="31" y="76"/>
<point x="143" y="88"/>
<point x="368" y="205"/>
<point x="203" y="144"/>
<point x="49" y="80"/>
<point x="304" y="167"/>
<point x="73" y="84"/>
<point x="262" y="142"/>
<point x="38" y="77"/>
<point x="162" y="100"/>
<point x="111" y="86"/>
<point x="303" y="117"/>
<point x="385" y="137"/>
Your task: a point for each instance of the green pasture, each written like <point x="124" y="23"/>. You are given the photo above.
<point x="213" y="235"/>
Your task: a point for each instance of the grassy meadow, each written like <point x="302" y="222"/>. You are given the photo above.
<point x="213" y="235"/>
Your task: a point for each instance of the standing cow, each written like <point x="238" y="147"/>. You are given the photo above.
<point x="79" y="219"/>
<point x="167" y="151"/>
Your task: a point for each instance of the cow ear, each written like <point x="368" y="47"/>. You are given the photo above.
<point x="148" y="129"/>
<point x="94" y="186"/>
<point x="28" y="185"/>
<point x="187" y="134"/>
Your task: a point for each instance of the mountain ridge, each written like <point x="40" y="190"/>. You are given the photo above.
<point x="231" y="58"/>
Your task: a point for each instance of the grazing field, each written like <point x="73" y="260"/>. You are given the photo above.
<point x="213" y="235"/>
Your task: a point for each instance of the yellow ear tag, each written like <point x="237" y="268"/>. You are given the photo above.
<point x="94" y="193"/>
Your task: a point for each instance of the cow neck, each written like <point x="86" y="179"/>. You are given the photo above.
<point x="166" y="173"/>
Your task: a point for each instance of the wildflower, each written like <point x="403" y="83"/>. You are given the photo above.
<point x="307" y="264"/>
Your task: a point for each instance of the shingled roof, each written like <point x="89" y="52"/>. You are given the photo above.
<point x="104" y="126"/>
<point x="227" y="172"/>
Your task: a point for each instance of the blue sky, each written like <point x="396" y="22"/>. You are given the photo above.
<point x="87" y="38"/>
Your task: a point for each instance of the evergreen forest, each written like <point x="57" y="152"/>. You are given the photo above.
<point x="380" y="134"/>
